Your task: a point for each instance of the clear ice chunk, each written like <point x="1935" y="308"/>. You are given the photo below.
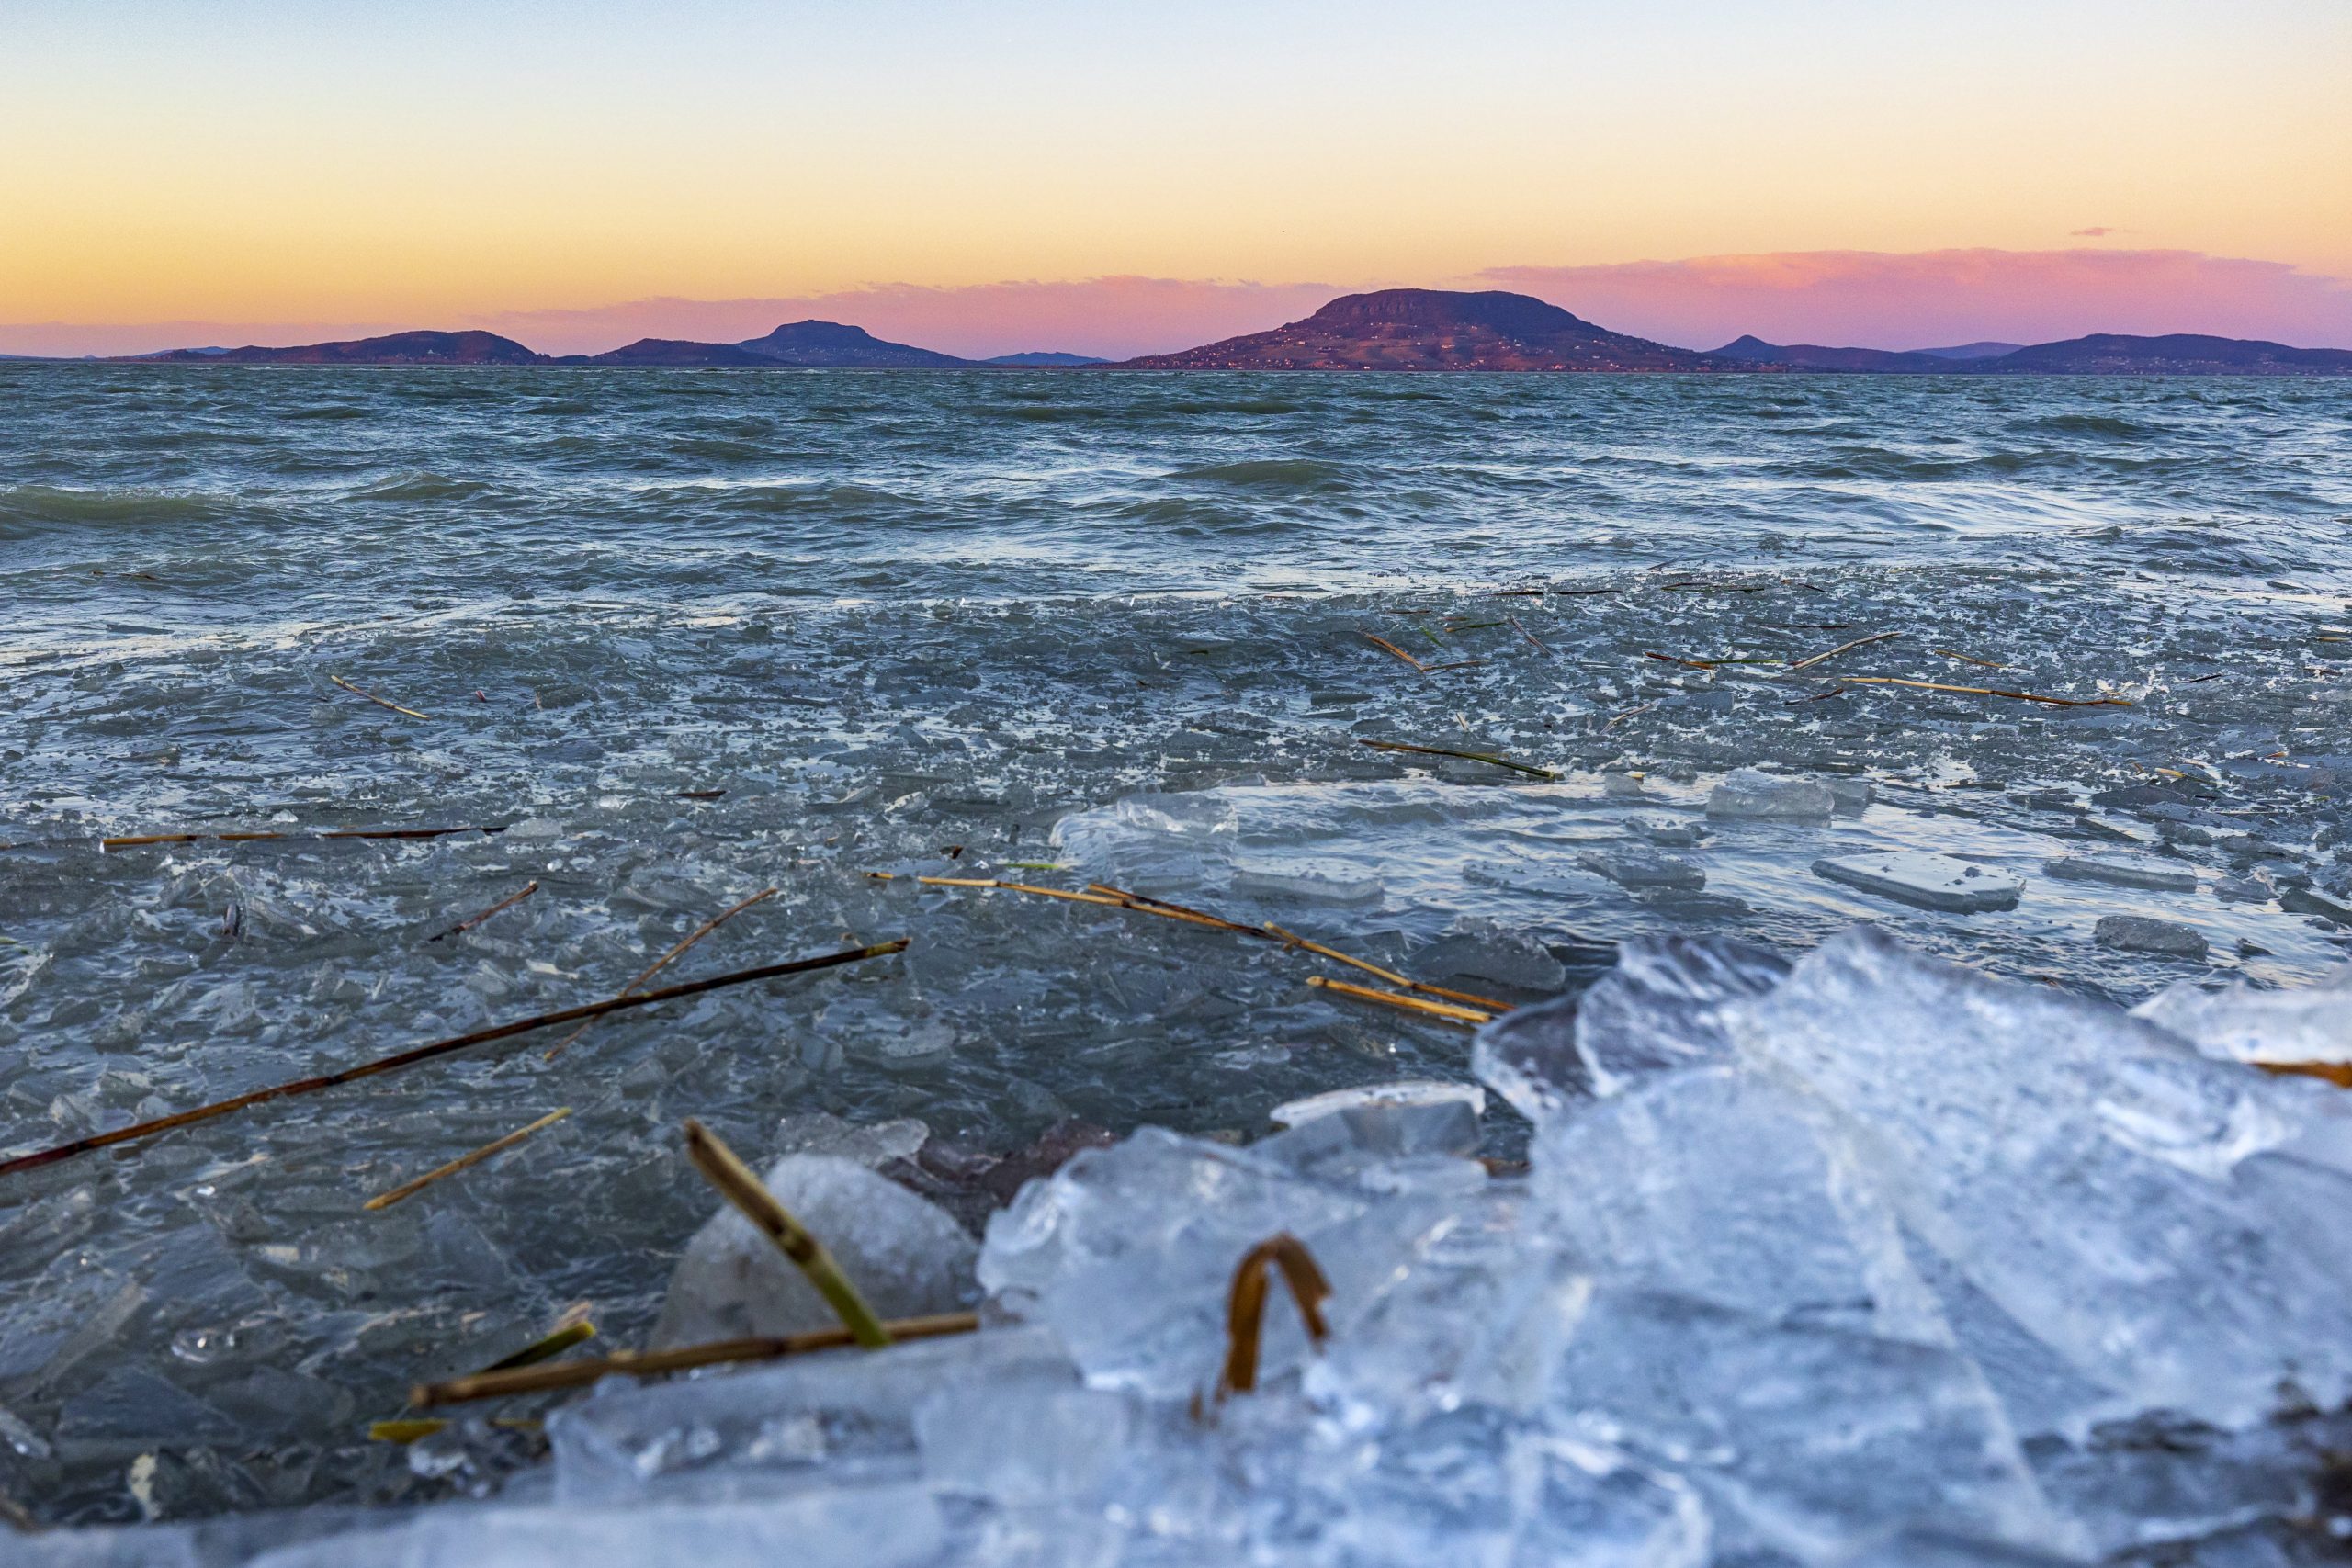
<point x="1305" y="886"/>
<point x="1752" y="794"/>
<point x="2073" y="1164"/>
<point x="1643" y="868"/>
<point x="1803" y="1440"/>
<point x="1931" y="880"/>
<point x="1722" y="1184"/>
<point x="2311" y="1023"/>
<point x="828" y="1419"/>
<point x="1127" y="1252"/>
<point x="1656" y="1012"/>
<point x="907" y="1257"/>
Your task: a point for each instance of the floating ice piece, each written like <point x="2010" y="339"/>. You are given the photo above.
<point x="2080" y="1168"/>
<point x="1305" y="887"/>
<point x="1722" y="1184"/>
<point x="1643" y="868"/>
<point x="820" y="1133"/>
<point x="2140" y="933"/>
<point x="906" y="1256"/>
<point x="1406" y="1094"/>
<point x="1852" y="796"/>
<point x="1655" y="1012"/>
<point x="1480" y="950"/>
<point x="1807" y="1441"/>
<point x="1931" y="880"/>
<point x="1771" y="797"/>
<point x="2125" y="871"/>
<point x="2312" y="1024"/>
<point x="1666" y="830"/>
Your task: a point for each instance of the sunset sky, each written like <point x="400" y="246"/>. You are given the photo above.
<point x="1120" y="178"/>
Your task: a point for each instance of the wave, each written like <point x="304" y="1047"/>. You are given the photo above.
<point x="1271" y="473"/>
<point x="32" y="507"/>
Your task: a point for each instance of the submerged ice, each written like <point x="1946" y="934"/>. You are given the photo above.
<point x="1869" y="1260"/>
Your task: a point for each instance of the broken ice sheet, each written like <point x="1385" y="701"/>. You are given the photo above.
<point x="2243" y="1022"/>
<point x="1722" y="1184"/>
<point x="1803" y="1440"/>
<point x="835" y="1418"/>
<point x="1655" y="1012"/>
<point x="1127" y="1252"/>
<point x="2074" y="1165"/>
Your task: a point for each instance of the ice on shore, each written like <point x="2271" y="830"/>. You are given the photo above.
<point x="1863" y="1262"/>
<point x="2311" y="1023"/>
<point x="2125" y="871"/>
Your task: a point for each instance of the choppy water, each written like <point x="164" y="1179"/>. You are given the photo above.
<point x="1107" y="623"/>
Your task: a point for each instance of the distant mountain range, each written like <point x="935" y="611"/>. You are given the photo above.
<point x="805" y="345"/>
<point x="1391" y="329"/>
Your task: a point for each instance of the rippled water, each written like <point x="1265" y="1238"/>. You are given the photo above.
<point x="960" y="623"/>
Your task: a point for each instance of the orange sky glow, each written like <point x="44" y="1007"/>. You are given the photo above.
<point x="1037" y="175"/>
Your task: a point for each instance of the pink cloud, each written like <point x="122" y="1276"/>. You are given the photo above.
<point x="1114" y="318"/>
<point x="1927" y="299"/>
<point x="1875" y="299"/>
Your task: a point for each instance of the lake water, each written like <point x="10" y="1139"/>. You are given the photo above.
<point x="679" y="636"/>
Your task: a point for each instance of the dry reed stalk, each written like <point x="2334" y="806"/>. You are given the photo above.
<point x="1969" y="659"/>
<point x="663" y="962"/>
<point x="144" y="1130"/>
<point x="752" y="1199"/>
<point x="1390" y="976"/>
<point x="2338" y="1073"/>
<point x="372" y="697"/>
<point x="1143" y="903"/>
<point x="654" y="1363"/>
<point x="412" y="1431"/>
<point x="134" y="840"/>
<point x="1841" y="648"/>
<point x="1245" y="1309"/>
<point x="1529" y="636"/>
<point x="496" y="1146"/>
<point x="1629" y="713"/>
<point x="1451" y="1014"/>
<point x="1487" y="757"/>
<point x="1986" y="692"/>
<point x="507" y="903"/>
<point x="1383" y="642"/>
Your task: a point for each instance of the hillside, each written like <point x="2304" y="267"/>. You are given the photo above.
<point x="831" y="344"/>
<point x="2178" y="354"/>
<point x="1755" y="351"/>
<point x="399" y="348"/>
<point x="1434" y="328"/>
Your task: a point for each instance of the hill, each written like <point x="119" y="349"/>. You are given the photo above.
<point x="1752" y="350"/>
<point x="831" y="344"/>
<point x="1435" y="329"/>
<point x="1047" y="359"/>
<point x="2178" y="354"/>
<point x="673" y="350"/>
<point x="399" y="348"/>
